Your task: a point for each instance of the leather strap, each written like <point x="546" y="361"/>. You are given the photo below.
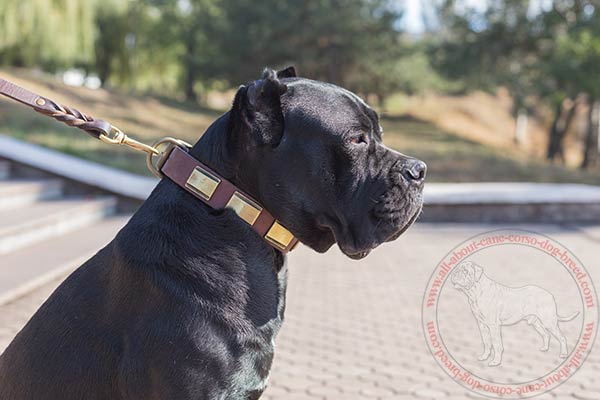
<point x="183" y="169"/>
<point x="69" y="116"/>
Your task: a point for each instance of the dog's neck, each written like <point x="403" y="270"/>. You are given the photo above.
<point x="219" y="150"/>
<point x="212" y="149"/>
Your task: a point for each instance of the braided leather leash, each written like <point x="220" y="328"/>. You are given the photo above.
<point x="70" y="116"/>
<point x="97" y="128"/>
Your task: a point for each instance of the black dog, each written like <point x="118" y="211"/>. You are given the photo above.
<point x="185" y="302"/>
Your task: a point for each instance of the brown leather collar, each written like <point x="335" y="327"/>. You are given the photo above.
<point x="206" y="185"/>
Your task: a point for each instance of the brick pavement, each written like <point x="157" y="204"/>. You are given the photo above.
<point x="353" y="329"/>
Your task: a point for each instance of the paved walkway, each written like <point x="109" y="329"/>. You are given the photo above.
<point x="353" y="329"/>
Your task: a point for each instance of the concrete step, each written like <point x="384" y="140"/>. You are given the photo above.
<point x="20" y="193"/>
<point x="26" y="269"/>
<point x="42" y="220"/>
<point x="4" y="170"/>
<point x="511" y="202"/>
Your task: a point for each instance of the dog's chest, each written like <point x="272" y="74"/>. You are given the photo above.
<point x="250" y="377"/>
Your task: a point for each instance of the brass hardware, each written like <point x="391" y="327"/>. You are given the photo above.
<point x="279" y="236"/>
<point x="245" y="208"/>
<point x="40" y="102"/>
<point x="118" y="137"/>
<point x="171" y="143"/>
<point x="203" y="183"/>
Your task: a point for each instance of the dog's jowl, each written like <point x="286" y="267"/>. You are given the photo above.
<point x="186" y="301"/>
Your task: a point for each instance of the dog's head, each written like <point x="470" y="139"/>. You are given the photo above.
<point x="312" y="153"/>
<point x="465" y="275"/>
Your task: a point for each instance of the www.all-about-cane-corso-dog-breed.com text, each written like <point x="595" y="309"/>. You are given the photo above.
<point x="186" y="301"/>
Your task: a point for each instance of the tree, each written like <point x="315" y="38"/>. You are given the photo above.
<point x="498" y="46"/>
<point x="528" y="53"/>
<point x="50" y="34"/>
<point x="110" y="50"/>
<point x="326" y="39"/>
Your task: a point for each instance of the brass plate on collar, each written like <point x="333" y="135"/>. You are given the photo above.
<point x="245" y="208"/>
<point x="279" y="236"/>
<point x="203" y="183"/>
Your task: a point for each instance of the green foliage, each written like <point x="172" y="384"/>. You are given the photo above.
<point x="186" y="46"/>
<point x="326" y="39"/>
<point x="577" y="59"/>
<point x="499" y="46"/>
<point x="50" y="34"/>
<point x="135" y="49"/>
<point x="551" y="55"/>
<point x="407" y="70"/>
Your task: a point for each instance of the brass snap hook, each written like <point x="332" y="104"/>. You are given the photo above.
<point x="116" y="136"/>
<point x="120" y="138"/>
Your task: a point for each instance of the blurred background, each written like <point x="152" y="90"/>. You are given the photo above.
<point x="482" y="90"/>
<point x="501" y="98"/>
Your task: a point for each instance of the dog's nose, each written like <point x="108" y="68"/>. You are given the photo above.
<point x="415" y="171"/>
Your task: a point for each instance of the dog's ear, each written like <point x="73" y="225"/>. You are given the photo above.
<point x="257" y="109"/>
<point x="477" y="272"/>
<point x="289" y="72"/>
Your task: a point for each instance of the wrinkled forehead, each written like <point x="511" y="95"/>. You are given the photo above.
<point x="327" y="106"/>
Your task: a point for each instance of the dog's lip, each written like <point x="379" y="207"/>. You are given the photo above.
<point x="363" y="253"/>
<point x="410" y="222"/>
<point x="353" y="254"/>
<point x="357" y="256"/>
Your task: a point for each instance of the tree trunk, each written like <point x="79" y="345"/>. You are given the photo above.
<point x="563" y="116"/>
<point x="103" y="69"/>
<point x="521" y="127"/>
<point x="189" y="83"/>
<point x="590" y="149"/>
<point x="190" y="71"/>
<point x="380" y="101"/>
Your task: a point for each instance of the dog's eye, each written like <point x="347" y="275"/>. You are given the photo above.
<point x="358" y="139"/>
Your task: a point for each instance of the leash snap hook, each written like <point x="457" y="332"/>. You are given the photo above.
<point x="116" y="136"/>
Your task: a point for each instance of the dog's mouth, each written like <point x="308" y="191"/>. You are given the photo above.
<point x="357" y="256"/>
<point x="407" y="225"/>
<point x="362" y="253"/>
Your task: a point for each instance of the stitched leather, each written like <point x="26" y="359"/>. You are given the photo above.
<point x="179" y="166"/>
<point x="69" y="116"/>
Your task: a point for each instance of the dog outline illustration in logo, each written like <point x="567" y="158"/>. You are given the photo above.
<point x="494" y="305"/>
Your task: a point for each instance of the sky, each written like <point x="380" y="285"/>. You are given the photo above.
<point x="413" y="10"/>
